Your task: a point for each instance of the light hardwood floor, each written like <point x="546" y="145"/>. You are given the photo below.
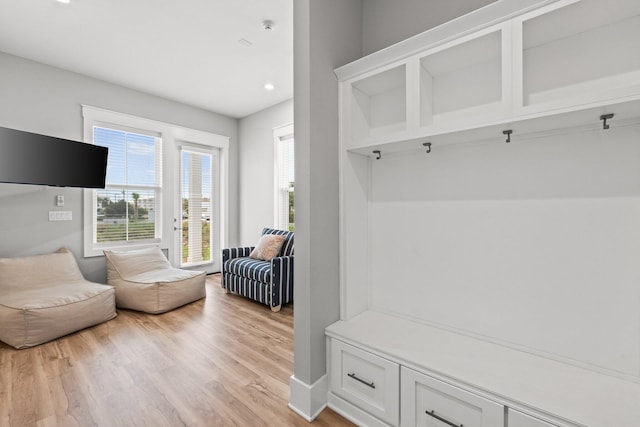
<point x="221" y="361"/>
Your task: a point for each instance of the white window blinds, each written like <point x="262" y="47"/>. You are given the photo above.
<point x="285" y="182"/>
<point x="128" y="208"/>
<point x="197" y="185"/>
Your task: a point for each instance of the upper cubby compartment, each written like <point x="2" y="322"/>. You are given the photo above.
<point x="378" y="104"/>
<point x="462" y="83"/>
<point x="577" y="52"/>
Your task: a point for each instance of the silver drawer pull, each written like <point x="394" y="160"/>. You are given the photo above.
<point x="368" y="384"/>
<point x="439" y="418"/>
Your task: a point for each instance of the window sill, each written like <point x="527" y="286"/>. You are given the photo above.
<point x="98" y="250"/>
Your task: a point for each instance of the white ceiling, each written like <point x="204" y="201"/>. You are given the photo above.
<point x="184" y="50"/>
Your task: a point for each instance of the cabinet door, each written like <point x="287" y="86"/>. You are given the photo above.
<point x="427" y="402"/>
<point x="365" y="380"/>
<point x="518" y="419"/>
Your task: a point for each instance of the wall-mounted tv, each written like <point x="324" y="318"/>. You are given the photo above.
<point x="30" y="158"/>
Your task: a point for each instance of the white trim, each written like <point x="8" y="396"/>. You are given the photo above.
<point x="171" y="134"/>
<point x="308" y="400"/>
<point x="280" y="133"/>
<point x="216" y="223"/>
<point x="486" y="16"/>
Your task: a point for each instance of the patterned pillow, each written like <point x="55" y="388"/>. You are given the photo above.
<point x="268" y="247"/>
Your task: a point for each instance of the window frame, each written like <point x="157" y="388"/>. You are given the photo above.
<point x="157" y="190"/>
<point x="215" y="226"/>
<point x="280" y="134"/>
<point x="171" y="137"/>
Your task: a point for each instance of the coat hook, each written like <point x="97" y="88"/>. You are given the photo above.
<point x="428" y="145"/>
<point x="604" y="119"/>
<point x="507" y="132"/>
<point x="377" y="153"/>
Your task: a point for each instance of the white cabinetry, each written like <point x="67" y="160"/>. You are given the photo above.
<point x="426" y="400"/>
<point x="367" y="381"/>
<point x="498" y="278"/>
<point x="378" y="104"/>
<point x="576" y="52"/>
<point x="567" y="56"/>
<point x="466" y="81"/>
<point x="518" y="419"/>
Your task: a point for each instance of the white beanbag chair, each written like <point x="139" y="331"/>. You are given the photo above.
<point x="44" y="297"/>
<point x="145" y="281"/>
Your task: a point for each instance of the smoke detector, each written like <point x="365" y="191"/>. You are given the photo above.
<point x="267" y="25"/>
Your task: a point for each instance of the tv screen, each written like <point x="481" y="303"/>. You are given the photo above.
<point x="30" y="158"/>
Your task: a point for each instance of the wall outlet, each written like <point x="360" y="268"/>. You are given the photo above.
<point x="60" y="216"/>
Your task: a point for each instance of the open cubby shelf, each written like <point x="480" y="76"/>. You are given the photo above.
<point x="563" y="56"/>
<point x="490" y="221"/>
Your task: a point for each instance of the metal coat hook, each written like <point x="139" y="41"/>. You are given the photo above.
<point x="377" y="153"/>
<point x="507" y="132"/>
<point x="428" y="145"/>
<point x="604" y="119"/>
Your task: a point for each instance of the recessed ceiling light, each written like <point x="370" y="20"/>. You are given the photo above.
<point x="269" y="86"/>
<point x="64" y="1"/>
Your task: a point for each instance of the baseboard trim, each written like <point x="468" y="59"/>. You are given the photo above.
<point x="308" y="400"/>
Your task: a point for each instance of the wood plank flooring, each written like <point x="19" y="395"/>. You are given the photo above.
<point x="221" y="361"/>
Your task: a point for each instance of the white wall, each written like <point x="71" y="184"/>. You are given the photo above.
<point x="257" y="169"/>
<point x="42" y="99"/>
<point x="387" y="22"/>
<point x="512" y="241"/>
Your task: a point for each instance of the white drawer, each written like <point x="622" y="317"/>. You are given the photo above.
<point x="365" y="380"/>
<point x="428" y="402"/>
<point x="518" y="419"/>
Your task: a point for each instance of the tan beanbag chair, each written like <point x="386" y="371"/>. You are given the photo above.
<point x="145" y="281"/>
<point x="44" y="297"/>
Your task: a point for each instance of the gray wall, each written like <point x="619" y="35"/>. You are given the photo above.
<point x="38" y="98"/>
<point x="257" y="169"/>
<point x="327" y="35"/>
<point x="387" y="22"/>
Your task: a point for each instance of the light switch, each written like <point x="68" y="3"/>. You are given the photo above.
<point x="60" y="200"/>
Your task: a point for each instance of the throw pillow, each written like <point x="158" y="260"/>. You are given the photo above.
<point x="268" y="247"/>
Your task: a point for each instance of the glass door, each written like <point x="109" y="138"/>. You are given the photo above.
<point x="200" y="206"/>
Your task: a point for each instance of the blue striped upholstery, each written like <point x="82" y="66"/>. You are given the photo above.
<point x="257" y="291"/>
<point x="250" y="268"/>
<point x="268" y="282"/>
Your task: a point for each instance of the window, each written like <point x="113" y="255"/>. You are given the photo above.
<point x="141" y="204"/>
<point x="285" y="178"/>
<point x="126" y="209"/>
<point x="128" y="212"/>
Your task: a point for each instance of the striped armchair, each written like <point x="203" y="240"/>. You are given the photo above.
<point x="268" y="282"/>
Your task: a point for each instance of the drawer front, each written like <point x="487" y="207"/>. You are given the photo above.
<point x="518" y="419"/>
<point x="428" y="402"/>
<point x="366" y="380"/>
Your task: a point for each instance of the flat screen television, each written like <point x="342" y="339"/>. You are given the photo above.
<point x="30" y="158"/>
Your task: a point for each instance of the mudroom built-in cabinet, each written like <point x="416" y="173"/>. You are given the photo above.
<point x="490" y="222"/>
